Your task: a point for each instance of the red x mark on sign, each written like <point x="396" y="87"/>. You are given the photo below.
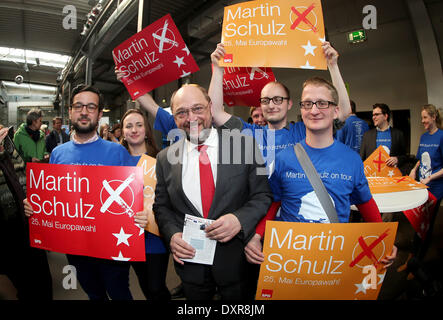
<point x="302" y="17"/>
<point x="401" y="179"/>
<point x="379" y="162"/>
<point x="367" y="250"/>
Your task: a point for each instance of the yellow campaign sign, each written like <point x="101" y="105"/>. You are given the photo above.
<point x="394" y="184"/>
<point x="149" y="181"/>
<point x="375" y="165"/>
<point x="283" y="33"/>
<point x="314" y="261"/>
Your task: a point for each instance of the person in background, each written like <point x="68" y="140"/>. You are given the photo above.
<point x="429" y="166"/>
<point x="116" y="133"/>
<point x="257" y="116"/>
<point x="26" y="267"/>
<point x="29" y="140"/>
<point x="104" y="132"/>
<point x="137" y="138"/>
<point x="352" y="132"/>
<point x="57" y="135"/>
<point x="384" y="134"/>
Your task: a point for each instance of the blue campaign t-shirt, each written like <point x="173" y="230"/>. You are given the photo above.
<point x="384" y="138"/>
<point x="430" y="154"/>
<point x="341" y="171"/>
<point x="99" y="153"/>
<point x="352" y="132"/>
<point x="274" y="141"/>
<point x="153" y="243"/>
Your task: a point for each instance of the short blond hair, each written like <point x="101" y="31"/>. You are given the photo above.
<point x="433" y="111"/>
<point x="320" y="82"/>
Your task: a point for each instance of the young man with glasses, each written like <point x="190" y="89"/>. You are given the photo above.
<point x="98" y="277"/>
<point x="384" y="134"/>
<point x="340" y="168"/>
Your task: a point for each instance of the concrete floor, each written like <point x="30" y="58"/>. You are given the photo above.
<point x="396" y="286"/>
<point x="57" y="261"/>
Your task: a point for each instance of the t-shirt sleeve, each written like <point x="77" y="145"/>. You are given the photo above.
<point x="125" y="158"/>
<point x="361" y="192"/>
<point x="234" y="123"/>
<point x="164" y="121"/>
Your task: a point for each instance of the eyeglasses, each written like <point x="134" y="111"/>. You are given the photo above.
<point x="277" y="100"/>
<point x="321" y="104"/>
<point x="196" y="109"/>
<point x="377" y="114"/>
<point x="77" y="107"/>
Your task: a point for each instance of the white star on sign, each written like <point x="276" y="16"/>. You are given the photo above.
<point x="141" y="231"/>
<point x="185" y="49"/>
<point x="360" y="288"/>
<point x="307" y="66"/>
<point x="382" y="278"/>
<point x="122" y="237"/>
<point x="179" y="61"/>
<point x="309" y="48"/>
<point x="120" y="257"/>
<point x="185" y="74"/>
<point x="391" y="173"/>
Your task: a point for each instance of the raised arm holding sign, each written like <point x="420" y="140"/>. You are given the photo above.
<point x="153" y="57"/>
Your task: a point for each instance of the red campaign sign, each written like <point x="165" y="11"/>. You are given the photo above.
<point x="242" y="85"/>
<point x="153" y="57"/>
<point x="86" y="210"/>
<point x="420" y="217"/>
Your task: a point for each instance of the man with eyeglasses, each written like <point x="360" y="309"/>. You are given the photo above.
<point x="339" y="168"/>
<point x="195" y="177"/>
<point x="98" y="277"/>
<point x="385" y="135"/>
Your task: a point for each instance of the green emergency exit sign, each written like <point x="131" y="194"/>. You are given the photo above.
<point x="357" y="36"/>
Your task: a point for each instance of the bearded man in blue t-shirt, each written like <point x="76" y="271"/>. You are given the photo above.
<point x="98" y="277"/>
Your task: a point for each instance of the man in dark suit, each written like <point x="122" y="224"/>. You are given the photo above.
<point x="240" y="196"/>
<point x="384" y="134"/>
<point x="57" y="135"/>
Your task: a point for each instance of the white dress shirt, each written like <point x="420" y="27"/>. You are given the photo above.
<point x="191" y="168"/>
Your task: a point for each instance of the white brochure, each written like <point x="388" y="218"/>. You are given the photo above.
<point x="194" y="234"/>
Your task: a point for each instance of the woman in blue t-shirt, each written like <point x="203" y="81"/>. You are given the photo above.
<point x="430" y="152"/>
<point x="138" y="139"/>
<point x="429" y="166"/>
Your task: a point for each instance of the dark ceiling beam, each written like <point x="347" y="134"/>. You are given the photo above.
<point x="194" y="10"/>
<point x="206" y="37"/>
